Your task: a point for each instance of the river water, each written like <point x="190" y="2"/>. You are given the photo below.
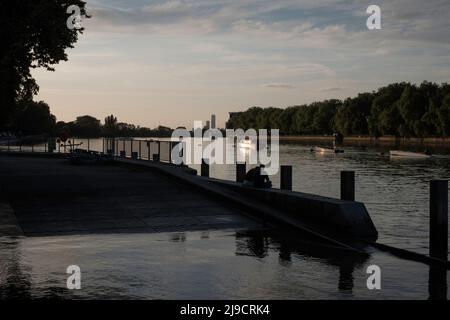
<point x="247" y="264"/>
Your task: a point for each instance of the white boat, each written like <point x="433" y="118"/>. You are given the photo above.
<point x="408" y="154"/>
<point x="246" y="144"/>
<point x="318" y="149"/>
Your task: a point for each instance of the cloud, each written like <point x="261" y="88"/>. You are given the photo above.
<point x="279" y="86"/>
<point x="332" y="89"/>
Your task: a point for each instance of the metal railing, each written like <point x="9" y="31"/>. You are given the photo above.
<point x="149" y="149"/>
<point x="156" y="150"/>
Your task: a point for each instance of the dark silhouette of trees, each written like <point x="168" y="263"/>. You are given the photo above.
<point x="400" y="109"/>
<point x="33" y="34"/>
<point x="33" y="118"/>
<point x="86" y="126"/>
<point x="110" y="127"/>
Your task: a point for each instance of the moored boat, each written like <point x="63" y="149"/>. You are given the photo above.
<point x="322" y="149"/>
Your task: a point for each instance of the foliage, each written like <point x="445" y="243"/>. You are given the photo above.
<point x="400" y="109"/>
<point x="33" y="34"/>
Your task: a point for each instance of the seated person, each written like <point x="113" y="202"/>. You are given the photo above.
<point x="255" y="179"/>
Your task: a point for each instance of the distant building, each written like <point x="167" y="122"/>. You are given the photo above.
<point x="213" y="121"/>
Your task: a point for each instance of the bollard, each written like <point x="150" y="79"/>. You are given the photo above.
<point x="122" y="153"/>
<point x="240" y="172"/>
<point x="286" y="178"/>
<point x="439" y="219"/>
<point x="348" y="185"/>
<point x="204" y="169"/>
<point x="156" y="157"/>
<point x="134" y="155"/>
<point x="140" y="153"/>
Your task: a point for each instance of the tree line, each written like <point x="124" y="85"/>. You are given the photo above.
<point x="399" y="109"/>
<point x="90" y="127"/>
<point x="34" y="118"/>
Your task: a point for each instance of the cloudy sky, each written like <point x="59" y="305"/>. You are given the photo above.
<point x="153" y="62"/>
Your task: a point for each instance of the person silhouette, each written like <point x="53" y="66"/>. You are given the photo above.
<point x="255" y="177"/>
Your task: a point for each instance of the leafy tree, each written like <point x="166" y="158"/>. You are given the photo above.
<point x="110" y="127"/>
<point x="33" y="34"/>
<point x="86" y="126"/>
<point x="34" y="118"/>
<point x="444" y="115"/>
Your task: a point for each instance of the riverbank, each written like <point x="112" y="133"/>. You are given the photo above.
<point x="369" y="139"/>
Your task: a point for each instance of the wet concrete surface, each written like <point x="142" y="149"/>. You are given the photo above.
<point x="52" y="197"/>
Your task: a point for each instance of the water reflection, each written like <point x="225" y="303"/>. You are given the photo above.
<point x="257" y="244"/>
<point x="437" y="282"/>
<point x="15" y="283"/>
<point x="206" y="264"/>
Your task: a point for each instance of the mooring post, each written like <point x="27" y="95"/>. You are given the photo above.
<point x="348" y="185"/>
<point x="439" y="219"/>
<point x="140" y="154"/>
<point x="159" y="150"/>
<point x="204" y="169"/>
<point x="286" y="177"/>
<point x="240" y="172"/>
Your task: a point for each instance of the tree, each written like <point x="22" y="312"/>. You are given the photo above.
<point x="412" y="106"/>
<point x="444" y="115"/>
<point x="86" y="126"/>
<point x="33" y="34"/>
<point x="110" y="127"/>
<point x="34" y="118"/>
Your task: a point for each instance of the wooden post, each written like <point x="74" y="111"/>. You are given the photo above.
<point x="439" y="219"/>
<point x="240" y="172"/>
<point x="286" y="178"/>
<point x="204" y="169"/>
<point x="149" y="144"/>
<point x="140" y="156"/>
<point x="348" y="185"/>
<point x="159" y="150"/>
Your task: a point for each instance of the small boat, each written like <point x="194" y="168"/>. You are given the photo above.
<point x="246" y="144"/>
<point x="408" y="154"/>
<point x="328" y="150"/>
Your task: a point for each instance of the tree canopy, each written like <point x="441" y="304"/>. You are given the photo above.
<point x="33" y="34"/>
<point x="400" y="109"/>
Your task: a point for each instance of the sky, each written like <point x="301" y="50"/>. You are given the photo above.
<point x="159" y="62"/>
